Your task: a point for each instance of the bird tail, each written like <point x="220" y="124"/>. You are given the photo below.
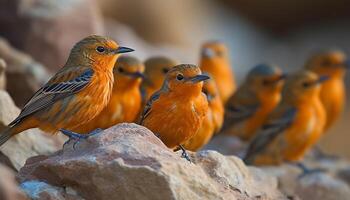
<point x="5" y="135"/>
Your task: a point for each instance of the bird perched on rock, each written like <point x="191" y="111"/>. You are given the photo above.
<point x="294" y="126"/>
<point x="215" y="61"/>
<point x="213" y="120"/>
<point x="176" y="111"/>
<point x="76" y="94"/>
<point x="332" y="64"/>
<point x="125" y="102"/>
<point x="249" y="107"/>
<point x="155" y="71"/>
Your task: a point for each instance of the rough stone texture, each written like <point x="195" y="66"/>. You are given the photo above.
<point x="47" y="29"/>
<point x="24" y="75"/>
<point x="30" y="143"/>
<point x="128" y="162"/>
<point x="2" y="74"/>
<point x="9" y="189"/>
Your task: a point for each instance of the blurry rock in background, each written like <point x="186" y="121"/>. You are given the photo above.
<point x="27" y="144"/>
<point x="47" y="29"/>
<point x="24" y="75"/>
<point x="9" y="189"/>
<point x="2" y="74"/>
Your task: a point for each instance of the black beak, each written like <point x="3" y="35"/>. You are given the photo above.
<point x="120" y="50"/>
<point x="136" y="75"/>
<point x="199" y="78"/>
<point x="322" y="79"/>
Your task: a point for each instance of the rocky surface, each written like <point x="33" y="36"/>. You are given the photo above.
<point x="29" y="143"/>
<point x="128" y="162"/>
<point x="9" y="189"/>
<point x="47" y="29"/>
<point x="24" y="75"/>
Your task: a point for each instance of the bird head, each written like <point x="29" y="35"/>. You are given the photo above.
<point x="128" y="71"/>
<point x="155" y="70"/>
<point x="265" y="79"/>
<point x="303" y="86"/>
<point x="185" y="80"/>
<point x="330" y="63"/>
<point x="210" y="90"/>
<point x="96" y="51"/>
<point x="214" y="51"/>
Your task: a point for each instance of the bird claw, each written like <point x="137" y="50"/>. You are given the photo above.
<point x="184" y="153"/>
<point x="307" y="171"/>
<point x="77" y="137"/>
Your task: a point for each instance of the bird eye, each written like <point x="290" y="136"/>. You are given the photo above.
<point x="165" y="70"/>
<point x="306" y="84"/>
<point x="100" y="49"/>
<point x="179" y="77"/>
<point x="121" y="70"/>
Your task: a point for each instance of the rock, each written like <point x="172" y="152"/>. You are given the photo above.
<point x="128" y="162"/>
<point x="227" y="145"/>
<point x="2" y="74"/>
<point x="47" y="29"/>
<point x="30" y="143"/>
<point x="322" y="185"/>
<point x="37" y="190"/>
<point x="24" y="75"/>
<point x="9" y="189"/>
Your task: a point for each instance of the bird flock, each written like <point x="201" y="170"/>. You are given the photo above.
<point x="281" y="116"/>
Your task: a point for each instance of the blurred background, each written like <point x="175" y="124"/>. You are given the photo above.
<point x="36" y="36"/>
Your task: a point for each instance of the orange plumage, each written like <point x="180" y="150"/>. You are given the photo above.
<point x="155" y="71"/>
<point x="176" y="112"/>
<point x="75" y="94"/>
<point x="213" y="120"/>
<point x="215" y="61"/>
<point x="125" y="101"/>
<point x="249" y="107"/>
<point x="294" y="126"/>
<point x="333" y="65"/>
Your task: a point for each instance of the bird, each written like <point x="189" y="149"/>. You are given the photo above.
<point x="294" y="126"/>
<point x="214" y="60"/>
<point x="254" y="100"/>
<point x="212" y="122"/>
<point x="155" y="70"/>
<point x="176" y="111"/>
<point x="332" y="63"/>
<point x="76" y="94"/>
<point x="125" y="102"/>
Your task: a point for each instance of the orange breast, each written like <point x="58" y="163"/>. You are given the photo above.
<point x="333" y="99"/>
<point x="176" y="120"/>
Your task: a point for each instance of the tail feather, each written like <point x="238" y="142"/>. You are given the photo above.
<point x="5" y="135"/>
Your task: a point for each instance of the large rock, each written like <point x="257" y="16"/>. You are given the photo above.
<point x="47" y="29"/>
<point x="9" y="189"/>
<point x="128" y="162"/>
<point x="24" y="75"/>
<point x="30" y="143"/>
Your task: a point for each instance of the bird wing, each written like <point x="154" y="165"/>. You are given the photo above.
<point x="238" y="113"/>
<point x="278" y="122"/>
<point x="63" y="84"/>
<point x="148" y="105"/>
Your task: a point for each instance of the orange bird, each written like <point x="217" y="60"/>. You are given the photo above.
<point x="76" y="94"/>
<point x="125" y="102"/>
<point x="254" y="100"/>
<point x="212" y="122"/>
<point x="333" y="65"/>
<point x="176" y="111"/>
<point x="215" y="61"/>
<point x="294" y="126"/>
<point x="155" y="71"/>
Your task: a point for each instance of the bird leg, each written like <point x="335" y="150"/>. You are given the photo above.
<point x="306" y="170"/>
<point x="184" y="153"/>
<point x="77" y="137"/>
<point x="319" y="154"/>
